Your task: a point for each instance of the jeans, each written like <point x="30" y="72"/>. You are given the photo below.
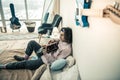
<point x="33" y="46"/>
<point x="28" y="64"/>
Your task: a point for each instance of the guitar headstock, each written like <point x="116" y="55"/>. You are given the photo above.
<point x="112" y="12"/>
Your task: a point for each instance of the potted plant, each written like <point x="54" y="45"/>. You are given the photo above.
<point x="30" y="26"/>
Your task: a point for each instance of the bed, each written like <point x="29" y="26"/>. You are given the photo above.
<point x="20" y="74"/>
<point x="42" y="73"/>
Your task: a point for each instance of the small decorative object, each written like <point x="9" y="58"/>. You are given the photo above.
<point x="30" y="26"/>
<point x="3" y="29"/>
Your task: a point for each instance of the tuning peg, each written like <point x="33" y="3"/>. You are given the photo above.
<point x="116" y="5"/>
<point x="119" y="6"/>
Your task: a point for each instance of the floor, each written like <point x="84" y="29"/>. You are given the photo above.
<point x="18" y="44"/>
<point x="14" y="44"/>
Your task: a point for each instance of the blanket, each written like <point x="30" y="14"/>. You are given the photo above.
<point x="39" y="74"/>
<point x="20" y="74"/>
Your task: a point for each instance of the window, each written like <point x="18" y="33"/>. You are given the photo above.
<point x="34" y="9"/>
<point x="24" y="10"/>
<point x="19" y="7"/>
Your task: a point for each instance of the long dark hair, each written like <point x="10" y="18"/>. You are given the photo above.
<point x="67" y="34"/>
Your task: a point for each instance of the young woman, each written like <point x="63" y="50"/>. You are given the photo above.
<point x="64" y="50"/>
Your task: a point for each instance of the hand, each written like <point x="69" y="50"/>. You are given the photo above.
<point x="44" y="51"/>
<point x="51" y="41"/>
<point x="44" y="46"/>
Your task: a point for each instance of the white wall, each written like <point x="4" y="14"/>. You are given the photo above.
<point x="97" y="48"/>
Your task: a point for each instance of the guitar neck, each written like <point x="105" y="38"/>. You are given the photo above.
<point x="113" y="13"/>
<point x="12" y="9"/>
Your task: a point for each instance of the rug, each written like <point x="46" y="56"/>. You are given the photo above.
<point x="18" y="36"/>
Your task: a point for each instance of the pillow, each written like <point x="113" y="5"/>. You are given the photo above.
<point x="46" y="75"/>
<point x="39" y="72"/>
<point x="70" y="74"/>
<point x="58" y="64"/>
<point x="70" y="61"/>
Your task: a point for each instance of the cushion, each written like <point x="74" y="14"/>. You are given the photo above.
<point x="39" y="72"/>
<point x="70" y="61"/>
<point x="58" y="64"/>
<point x="46" y="74"/>
<point x="71" y="74"/>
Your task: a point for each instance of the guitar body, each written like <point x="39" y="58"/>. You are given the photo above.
<point x="77" y="21"/>
<point x="15" y="24"/>
<point x="80" y="19"/>
<point x="87" y="5"/>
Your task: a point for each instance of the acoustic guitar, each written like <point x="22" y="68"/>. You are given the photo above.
<point x="15" y="24"/>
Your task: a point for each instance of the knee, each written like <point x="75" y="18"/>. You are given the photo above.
<point x="32" y="42"/>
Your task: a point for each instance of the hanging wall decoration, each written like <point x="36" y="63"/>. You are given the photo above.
<point x="80" y="19"/>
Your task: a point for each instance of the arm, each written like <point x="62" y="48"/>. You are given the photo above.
<point x="54" y="41"/>
<point x="64" y="53"/>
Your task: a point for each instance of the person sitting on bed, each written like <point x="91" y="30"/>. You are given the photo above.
<point x="64" y="50"/>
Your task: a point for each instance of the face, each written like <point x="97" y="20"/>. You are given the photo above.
<point x="62" y="36"/>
